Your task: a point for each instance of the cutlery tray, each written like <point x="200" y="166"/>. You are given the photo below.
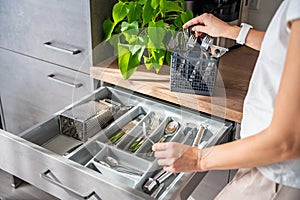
<point x="123" y="140"/>
<point x="142" y="160"/>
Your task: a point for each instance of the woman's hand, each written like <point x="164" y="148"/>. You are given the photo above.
<point x="177" y="157"/>
<point x="211" y="25"/>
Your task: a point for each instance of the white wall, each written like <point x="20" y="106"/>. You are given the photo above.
<point x="261" y="17"/>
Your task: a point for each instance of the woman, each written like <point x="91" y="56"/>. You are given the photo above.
<point x="268" y="155"/>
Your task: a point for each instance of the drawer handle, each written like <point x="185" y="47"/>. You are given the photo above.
<point x="61" y="48"/>
<point x="74" y="85"/>
<point x="55" y="181"/>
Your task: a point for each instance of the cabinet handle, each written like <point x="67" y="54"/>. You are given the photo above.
<point x="61" y="48"/>
<point x="74" y="85"/>
<point x="55" y="181"/>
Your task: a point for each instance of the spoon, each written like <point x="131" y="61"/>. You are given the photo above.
<point x="122" y="170"/>
<point x="115" y="164"/>
<point x="170" y="130"/>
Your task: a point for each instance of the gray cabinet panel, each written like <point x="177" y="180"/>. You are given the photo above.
<point x="26" y="25"/>
<point x="28" y="95"/>
<point x="30" y="162"/>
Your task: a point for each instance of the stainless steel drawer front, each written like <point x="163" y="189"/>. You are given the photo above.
<point x="56" y="31"/>
<point x="29" y="92"/>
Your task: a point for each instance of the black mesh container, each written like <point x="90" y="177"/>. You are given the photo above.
<point x="193" y="72"/>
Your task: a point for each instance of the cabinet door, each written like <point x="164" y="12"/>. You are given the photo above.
<point x="32" y="89"/>
<point x="56" y="31"/>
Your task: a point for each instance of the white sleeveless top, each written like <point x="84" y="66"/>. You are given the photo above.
<point x="260" y="100"/>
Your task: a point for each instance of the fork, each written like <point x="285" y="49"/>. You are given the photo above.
<point x="191" y="42"/>
<point x="206" y="42"/>
<point x="145" y="133"/>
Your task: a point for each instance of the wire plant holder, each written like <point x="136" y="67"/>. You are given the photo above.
<point x="193" y="72"/>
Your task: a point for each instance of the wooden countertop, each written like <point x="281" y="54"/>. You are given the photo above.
<point x="235" y="69"/>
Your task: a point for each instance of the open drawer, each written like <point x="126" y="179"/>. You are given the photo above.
<point x="77" y="154"/>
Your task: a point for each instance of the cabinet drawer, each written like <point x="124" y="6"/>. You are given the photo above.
<point x="56" y="31"/>
<point x="31" y="90"/>
<point x="86" y="175"/>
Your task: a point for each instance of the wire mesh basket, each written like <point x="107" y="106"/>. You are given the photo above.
<point x="83" y="121"/>
<point x="193" y="71"/>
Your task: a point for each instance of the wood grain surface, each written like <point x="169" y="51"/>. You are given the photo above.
<point x="235" y="69"/>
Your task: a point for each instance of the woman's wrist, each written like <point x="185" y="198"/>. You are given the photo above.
<point x="232" y="32"/>
<point x="200" y="161"/>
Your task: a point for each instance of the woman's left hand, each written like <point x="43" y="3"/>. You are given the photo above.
<point x="177" y="157"/>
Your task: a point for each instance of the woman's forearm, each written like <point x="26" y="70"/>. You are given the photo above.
<point x="253" y="40"/>
<point x="250" y="152"/>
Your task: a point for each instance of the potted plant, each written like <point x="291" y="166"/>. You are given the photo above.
<point x="140" y="30"/>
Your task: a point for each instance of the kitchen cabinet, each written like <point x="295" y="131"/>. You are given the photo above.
<point x="43" y="42"/>
<point x="77" y="173"/>
<point x="32" y="91"/>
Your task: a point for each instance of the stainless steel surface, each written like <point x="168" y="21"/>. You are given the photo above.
<point x="2" y="122"/>
<point x="83" y="177"/>
<point x="74" y="85"/>
<point x="114" y="163"/>
<point x="146" y="134"/>
<point x="83" y="121"/>
<point x="36" y="160"/>
<point x="25" y="30"/>
<point x="170" y="130"/>
<point x="28" y="96"/>
<point x="62" y="48"/>
<point x="158" y="190"/>
<point x="199" y="135"/>
<point x="206" y="42"/>
<point x="49" y="176"/>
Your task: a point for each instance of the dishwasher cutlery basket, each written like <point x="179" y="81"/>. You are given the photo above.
<point x="193" y="71"/>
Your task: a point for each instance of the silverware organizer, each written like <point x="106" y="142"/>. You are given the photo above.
<point x="193" y="71"/>
<point x="99" y="146"/>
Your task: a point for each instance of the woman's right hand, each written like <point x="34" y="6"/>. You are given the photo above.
<point x="211" y="25"/>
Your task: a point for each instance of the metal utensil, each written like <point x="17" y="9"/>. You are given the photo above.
<point x="146" y="134"/>
<point x="117" y="169"/>
<point x="199" y="135"/>
<point x="207" y="42"/>
<point x="152" y="183"/>
<point x="157" y="190"/>
<point x="120" y="169"/>
<point x="114" y="163"/>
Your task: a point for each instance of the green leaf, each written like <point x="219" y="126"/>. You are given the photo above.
<point x="129" y="26"/>
<point x="114" y="41"/>
<point x="170" y="6"/>
<point x="155" y="3"/>
<point x="156" y="34"/>
<point x="127" y="61"/>
<point x="156" y="59"/>
<point x="168" y="57"/>
<point x="178" y="22"/>
<point x="134" y="12"/>
<point x="186" y="16"/>
<point x="148" y="13"/>
<point x="108" y="27"/>
<point x="119" y="12"/>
